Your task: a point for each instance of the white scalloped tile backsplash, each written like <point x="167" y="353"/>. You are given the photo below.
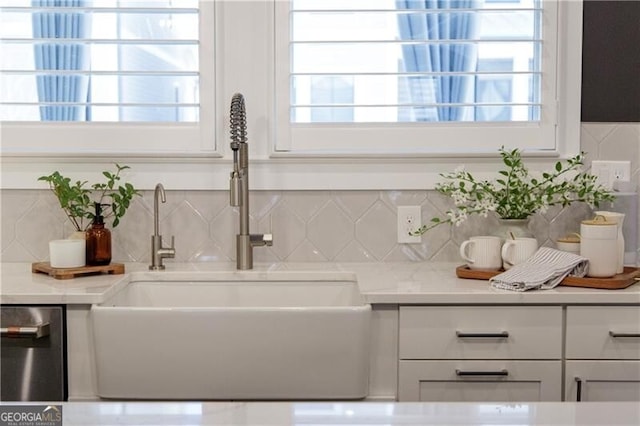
<point x="309" y="226"/>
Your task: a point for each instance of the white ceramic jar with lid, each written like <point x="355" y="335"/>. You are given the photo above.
<point x="570" y="243"/>
<point x="618" y="218"/>
<point x="599" y="244"/>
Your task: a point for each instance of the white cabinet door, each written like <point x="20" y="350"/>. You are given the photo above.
<point x="463" y="380"/>
<point x="602" y="380"/>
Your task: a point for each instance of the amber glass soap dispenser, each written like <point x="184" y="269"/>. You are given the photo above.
<point x="98" y="240"/>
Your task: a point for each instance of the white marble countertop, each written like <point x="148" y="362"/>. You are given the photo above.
<point x="380" y="283"/>
<point x="351" y="413"/>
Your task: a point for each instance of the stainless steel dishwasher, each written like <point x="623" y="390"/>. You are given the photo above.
<point x="33" y="353"/>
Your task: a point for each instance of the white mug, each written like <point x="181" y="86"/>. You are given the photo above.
<point x="482" y="253"/>
<point x="518" y="250"/>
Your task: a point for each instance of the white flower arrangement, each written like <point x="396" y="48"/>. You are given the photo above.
<point x="517" y="194"/>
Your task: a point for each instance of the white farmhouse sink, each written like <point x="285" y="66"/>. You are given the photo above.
<point x="233" y="335"/>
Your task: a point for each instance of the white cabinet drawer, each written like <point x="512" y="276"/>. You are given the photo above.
<point x="599" y="332"/>
<point x="463" y="380"/>
<point x="480" y="332"/>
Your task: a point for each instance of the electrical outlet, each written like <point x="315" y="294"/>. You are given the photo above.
<point x="621" y="171"/>
<point x="608" y="172"/>
<point x="409" y="219"/>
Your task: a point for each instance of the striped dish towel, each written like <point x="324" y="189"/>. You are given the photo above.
<point x="544" y="270"/>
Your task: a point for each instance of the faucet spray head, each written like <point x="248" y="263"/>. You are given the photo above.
<point x="238" y="121"/>
<point x="238" y="130"/>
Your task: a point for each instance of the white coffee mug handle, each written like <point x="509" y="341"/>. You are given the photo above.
<point x="506" y="251"/>
<point x="463" y="251"/>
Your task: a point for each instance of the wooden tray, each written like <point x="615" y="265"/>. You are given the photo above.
<point x="620" y="281"/>
<point x="68" y="273"/>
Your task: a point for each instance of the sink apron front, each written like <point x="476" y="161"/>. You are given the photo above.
<point x="231" y="353"/>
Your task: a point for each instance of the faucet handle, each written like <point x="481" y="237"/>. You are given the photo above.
<point x="268" y="237"/>
<point x="170" y="251"/>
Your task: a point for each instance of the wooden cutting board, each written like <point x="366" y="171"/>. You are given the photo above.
<point x="68" y="273"/>
<point x="628" y="277"/>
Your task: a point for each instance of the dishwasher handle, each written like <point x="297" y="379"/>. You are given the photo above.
<point x="26" y="331"/>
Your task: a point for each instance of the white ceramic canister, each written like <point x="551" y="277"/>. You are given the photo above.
<point x="599" y="244"/>
<point x="67" y="253"/>
<point x="618" y="218"/>
<point x="569" y="243"/>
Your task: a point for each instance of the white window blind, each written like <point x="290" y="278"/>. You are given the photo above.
<point x="110" y="74"/>
<point x="456" y="76"/>
<point x="321" y="117"/>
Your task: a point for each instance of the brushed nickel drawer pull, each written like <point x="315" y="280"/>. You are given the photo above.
<point x="500" y="335"/>
<point x="614" y="334"/>
<point x="463" y="373"/>
<point x="28" y="331"/>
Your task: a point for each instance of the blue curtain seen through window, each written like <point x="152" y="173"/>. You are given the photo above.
<point x="62" y="55"/>
<point x="440" y="57"/>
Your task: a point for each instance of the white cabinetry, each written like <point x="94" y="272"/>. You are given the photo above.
<point x="480" y="353"/>
<point x="603" y="353"/>
<point x="480" y="380"/>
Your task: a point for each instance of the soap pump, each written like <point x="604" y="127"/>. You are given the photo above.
<point x="98" y="240"/>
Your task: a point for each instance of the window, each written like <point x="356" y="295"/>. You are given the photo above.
<point x="333" y="90"/>
<point x="387" y="119"/>
<point x="474" y="73"/>
<point x="104" y="65"/>
<point x="497" y="88"/>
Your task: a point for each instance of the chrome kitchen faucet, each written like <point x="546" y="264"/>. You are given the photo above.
<point x="239" y="186"/>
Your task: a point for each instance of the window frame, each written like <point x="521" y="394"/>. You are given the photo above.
<point x="125" y="138"/>
<point x="409" y="138"/>
<point x="208" y="169"/>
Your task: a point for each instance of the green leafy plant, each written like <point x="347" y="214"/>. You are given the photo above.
<point x="516" y="194"/>
<point x="77" y="199"/>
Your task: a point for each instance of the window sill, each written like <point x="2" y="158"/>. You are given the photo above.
<point x="279" y="172"/>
